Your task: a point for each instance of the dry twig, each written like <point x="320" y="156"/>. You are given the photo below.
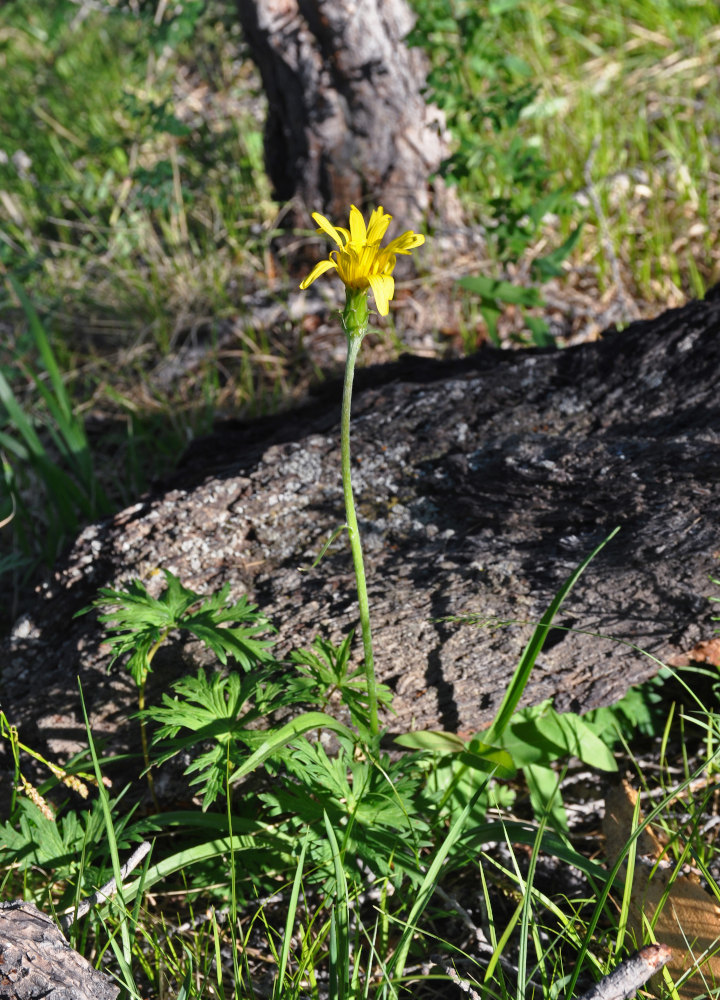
<point x="628" y="309"/>
<point x="105" y="892"/>
<point x="631" y="974"/>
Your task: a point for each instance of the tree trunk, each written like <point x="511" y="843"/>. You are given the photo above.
<point x="347" y="123"/>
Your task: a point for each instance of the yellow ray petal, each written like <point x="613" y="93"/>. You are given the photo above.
<point x="327" y="227"/>
<point x="358" y="232"/>
<point x="383" y="286"/>
<point x="405" y="243"/>
<point x="320" y="268"/>
<point x="377" y="226"/>
<point x="360" y="259"/>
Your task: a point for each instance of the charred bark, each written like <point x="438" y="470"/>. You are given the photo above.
<point x="37" y="961"/>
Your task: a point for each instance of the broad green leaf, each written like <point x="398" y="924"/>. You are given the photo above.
<point x="491" y="314"/>
<point x="545" y="796"/>
<point x="501" y="291"/>
<point x="433" y="740"/>
<point x="540" y="735"/>
<point x="540" y="331"/>
<point x="489" y="760"/>
<point x="476" y="755"/>
<point x="547" y="267"/>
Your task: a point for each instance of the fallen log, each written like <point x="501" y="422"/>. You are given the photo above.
<point x="480" y="484"/>
<point x="37" y="961"/>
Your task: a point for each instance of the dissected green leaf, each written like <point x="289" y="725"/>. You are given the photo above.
<point x="222" y="710"/>
<point x="327" y="669"/>
<point x="278" y="739"/>
<point x="374" y="803"/>
<point x="135" y="622"/>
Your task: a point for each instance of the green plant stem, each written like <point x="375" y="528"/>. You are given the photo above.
<point x="141" y="706"/>
<point x="11" y="733"/>
<point x="355" y="318"/>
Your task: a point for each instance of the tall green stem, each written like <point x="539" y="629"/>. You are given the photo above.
<point x="355" y="320"/>
<point x="141" y="705"/>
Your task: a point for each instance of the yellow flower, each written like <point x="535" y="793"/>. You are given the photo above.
<point x="361" y="262"/>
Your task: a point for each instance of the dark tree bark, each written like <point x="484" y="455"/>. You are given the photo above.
<point x="36" y="960"/>
<point x="346" y="123"/>
<point x="481" y="485"/>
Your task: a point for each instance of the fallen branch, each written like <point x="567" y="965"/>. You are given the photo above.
<point x="106" y="892"/>
<point x="35" y="958"/>
<point x="631" y="974"/>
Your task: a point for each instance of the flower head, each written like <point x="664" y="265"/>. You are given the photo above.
<point x="360" y="260"/>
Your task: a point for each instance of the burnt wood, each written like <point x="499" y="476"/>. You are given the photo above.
<point x="36" y="960"/>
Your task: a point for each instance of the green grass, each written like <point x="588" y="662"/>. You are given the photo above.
<point x="627" y="102"/>
<point x="639" y="80"/>
<point x="137" y="215"/>
<point x="307" y="870"/>
<point x="141" y="180"/>
<point x="262" y="902"/>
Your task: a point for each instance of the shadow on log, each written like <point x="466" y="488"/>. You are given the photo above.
<point x="481" y="485"/>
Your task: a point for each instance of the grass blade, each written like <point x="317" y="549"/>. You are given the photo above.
<point x="46" y="352"/>
<point x="397" y="965"/>
<point x="20" y="420"/>
<point x="289" y="923"/>
<point x="279" y="738"/>
<point x="339" y="924"/>
<point x="125" y="956"/>
<point x="531" y="652"/>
